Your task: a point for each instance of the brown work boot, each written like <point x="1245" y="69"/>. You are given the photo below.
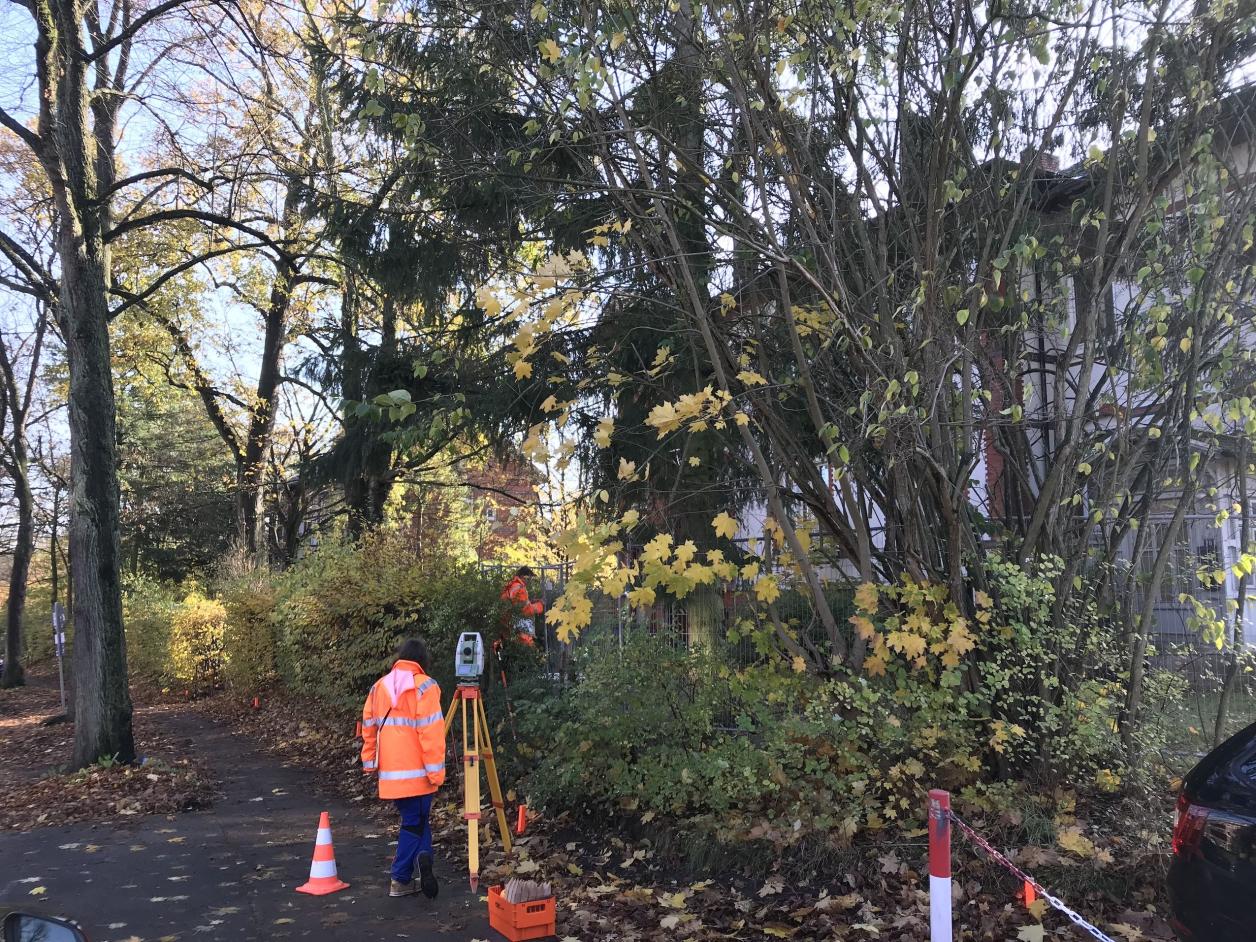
<point x="402" y="889"/>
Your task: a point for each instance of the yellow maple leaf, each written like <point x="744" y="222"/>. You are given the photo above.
<point x="798" y="664"/>
<point x="863" y="627"/>
<point x="982" y="600"/>
<point x="910" y="645"/>
<point x="1075" y="842"/>
<point x="767" y="590"/>
<point x="874" y="664"/>
<point x="602" y="436"/>
<point x="488" y="302"/>
<point x="658" y="549"/>
<point x="725" y="525"/>
<point x="641" y="596"/>
<point x="523" y="369"/>
<point x="627" y="469"/>
<point x="751" y="378"/>
<point x="663" y="418"/>
<point x="549" y="49"/>
<point x="866" y="598"/>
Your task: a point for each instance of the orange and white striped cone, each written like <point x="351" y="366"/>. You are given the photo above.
<point x="323" y="879"/>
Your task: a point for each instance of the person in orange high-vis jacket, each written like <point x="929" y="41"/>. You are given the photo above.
<point x="524" y="609"/>
<point x="403" y="744"/>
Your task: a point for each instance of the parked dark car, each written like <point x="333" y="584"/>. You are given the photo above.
<point x="28" y="927"/>
<point x="1212" y="878"/>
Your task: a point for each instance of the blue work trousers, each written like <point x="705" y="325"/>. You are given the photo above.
<point x="415" y="836"/>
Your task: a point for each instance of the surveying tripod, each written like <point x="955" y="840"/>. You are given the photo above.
<point x="468" y="703"/>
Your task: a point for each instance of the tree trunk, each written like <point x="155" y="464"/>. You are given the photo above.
<point x="1237" y="638"/>
<point x="80" y="165"/>
<point x="14" y="674"/>
<point x="102" y="700"/>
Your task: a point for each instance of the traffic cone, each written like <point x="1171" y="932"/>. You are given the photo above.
<point x="323" y="879"/>
<point x="521" y="824"/>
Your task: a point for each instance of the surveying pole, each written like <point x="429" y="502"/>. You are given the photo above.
<point x="477" y="744"/>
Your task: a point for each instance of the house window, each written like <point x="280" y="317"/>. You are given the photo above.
<point x="490" y="512"/>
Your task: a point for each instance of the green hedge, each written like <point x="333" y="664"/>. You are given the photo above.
<point x="325" y="629"/>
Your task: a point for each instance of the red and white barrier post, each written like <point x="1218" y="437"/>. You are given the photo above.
<point x="940" y="919"/>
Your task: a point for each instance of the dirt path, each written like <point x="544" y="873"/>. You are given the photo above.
<point x="228" y="872"/>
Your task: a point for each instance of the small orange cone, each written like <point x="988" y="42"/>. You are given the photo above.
<point x="323" y="879"/>
<point x="521" y="825"/>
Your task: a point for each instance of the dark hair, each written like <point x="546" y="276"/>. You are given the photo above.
<point x="524" y="572"/>
<point x="414" y="649"/>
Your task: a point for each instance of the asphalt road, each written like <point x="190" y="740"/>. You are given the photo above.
<point x="229" y="872"/>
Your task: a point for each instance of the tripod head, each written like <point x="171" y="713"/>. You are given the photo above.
<point x="469" y="657"/>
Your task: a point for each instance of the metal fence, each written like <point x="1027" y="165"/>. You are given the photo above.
<point x="702" y="618"/>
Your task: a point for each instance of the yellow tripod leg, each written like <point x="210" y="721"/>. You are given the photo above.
<point x="471" y="786"/>
<point x="490" y="770"/>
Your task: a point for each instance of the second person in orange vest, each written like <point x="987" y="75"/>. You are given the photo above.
<point x="403" y="744"/>
<point x="524" y="610"/>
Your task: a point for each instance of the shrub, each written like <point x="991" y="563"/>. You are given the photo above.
<point x="148" y="608"/>
<point x="37" y="624"/>
<point x="761" y="753"/>
<point x="250" y="637"/>
<point x="778" y="754"/>
<point x="342" y="611"/>
<point x="197" y="630"/>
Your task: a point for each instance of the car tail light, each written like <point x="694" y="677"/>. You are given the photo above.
<point x="1189" y="829"/>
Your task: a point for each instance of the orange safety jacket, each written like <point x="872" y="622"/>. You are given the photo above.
<point x="403" y="733"/>
<point x="516" y="591"/>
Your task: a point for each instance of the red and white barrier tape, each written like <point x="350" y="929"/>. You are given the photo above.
<point x="940" y="918"/>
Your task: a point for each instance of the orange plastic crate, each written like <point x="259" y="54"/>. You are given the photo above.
<point x="519" y="922"/>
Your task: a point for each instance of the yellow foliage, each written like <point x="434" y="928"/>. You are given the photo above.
<point x="658" y="550"/>
<point x="571" y="613"/>
<point x="863" y="627"/>
<point x="197" y="640"/>
<point x="866" y="598"/>
<point x="641" y="596"/>
<point x="1075" y="842"/>
<point x="767" y="590"/>
<point x="488" y="302"/>
<point x="550" y="50"/>
<point x="603" y="434"/>
<point x="910" y="645"/>
<point x="725" y="525"/>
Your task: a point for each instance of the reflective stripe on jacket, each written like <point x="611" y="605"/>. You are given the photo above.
<point x="403" y="733"/>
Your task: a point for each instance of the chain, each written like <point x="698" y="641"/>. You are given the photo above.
<point x="1002" y="860"/>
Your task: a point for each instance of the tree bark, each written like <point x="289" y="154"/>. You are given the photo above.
<point x="1237" y="639"/>
<point x="79" y="162"/>
<point x="14" y="674"/>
